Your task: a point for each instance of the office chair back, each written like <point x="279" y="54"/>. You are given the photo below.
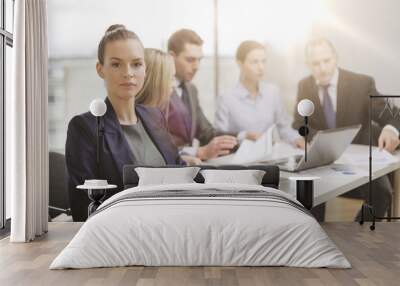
<point x="58" y="195"/>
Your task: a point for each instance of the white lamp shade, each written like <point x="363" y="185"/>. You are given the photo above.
<point x="98" y="107"/>
<point x="305" y="107"/>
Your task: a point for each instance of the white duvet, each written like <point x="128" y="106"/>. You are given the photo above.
<point x="183" y="231"/>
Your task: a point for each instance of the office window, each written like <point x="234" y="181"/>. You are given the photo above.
<point x="6" y="42"/>
<point x="2" y="195"/>
<point x="8" y="83"/>
<point x="9" y="12"/>
<point x="283" y="36"/>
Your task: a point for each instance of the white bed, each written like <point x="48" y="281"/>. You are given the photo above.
<point x="222" y="225"/>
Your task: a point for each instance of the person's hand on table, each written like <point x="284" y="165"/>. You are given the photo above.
<point x="299" y="143"/>
<point x="388" y="140"/>
<point x="191" y="161"/>
<point x="252" y="135"/>
<point x="218" y="146"/>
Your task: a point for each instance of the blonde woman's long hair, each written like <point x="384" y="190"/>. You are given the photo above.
<point x="158" y="84"/>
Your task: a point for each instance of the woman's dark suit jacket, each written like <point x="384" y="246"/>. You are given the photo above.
<point x="80" y="151"/>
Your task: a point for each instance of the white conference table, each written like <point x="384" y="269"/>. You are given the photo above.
<point x="333" y="183"/>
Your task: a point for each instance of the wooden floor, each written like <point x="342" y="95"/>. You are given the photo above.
<point x="375" y="257"/>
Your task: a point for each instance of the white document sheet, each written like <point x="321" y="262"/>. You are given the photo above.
<point x="266" y="148"/>
<point x="378" y="157"/>
<point x="251" y="151"/>
<point x="337" y="170"/>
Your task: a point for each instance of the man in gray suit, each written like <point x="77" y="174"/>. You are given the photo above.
<point x="186" y="120"/>
<point x="341" y="98"/>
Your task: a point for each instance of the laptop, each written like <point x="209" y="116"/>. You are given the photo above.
<point x="326" y="147"/>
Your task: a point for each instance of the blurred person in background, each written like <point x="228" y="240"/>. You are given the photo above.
<point x="341" y="98"/>
<point x="158" y="86"/>
<point x="190" y="129"/>
<point x="253" y="105"/>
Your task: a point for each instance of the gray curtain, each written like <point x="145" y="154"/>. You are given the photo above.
<point x="27" y="147"/>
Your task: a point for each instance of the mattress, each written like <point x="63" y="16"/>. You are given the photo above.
<point x="201" y="225"/>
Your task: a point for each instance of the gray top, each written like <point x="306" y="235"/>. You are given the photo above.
<point x="143" y="149"/>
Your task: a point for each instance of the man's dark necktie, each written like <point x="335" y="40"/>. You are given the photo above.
<point x="185" y="95"/>
<point x="327" y="106"/>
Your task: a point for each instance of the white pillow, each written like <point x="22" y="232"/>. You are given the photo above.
<point x="163" y="176"/>
<point x="248" y="177"/>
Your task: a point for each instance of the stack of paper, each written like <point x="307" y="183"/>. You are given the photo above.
<point x="258" y="151"/>
<point x="378" y="157"/>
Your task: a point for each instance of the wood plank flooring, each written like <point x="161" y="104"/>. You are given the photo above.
<point x="375" y="257"/>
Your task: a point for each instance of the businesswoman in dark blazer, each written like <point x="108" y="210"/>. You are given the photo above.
<point x="133" y="133"/>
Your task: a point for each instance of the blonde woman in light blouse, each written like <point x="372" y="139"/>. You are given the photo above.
<point x="253" y="106"/>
